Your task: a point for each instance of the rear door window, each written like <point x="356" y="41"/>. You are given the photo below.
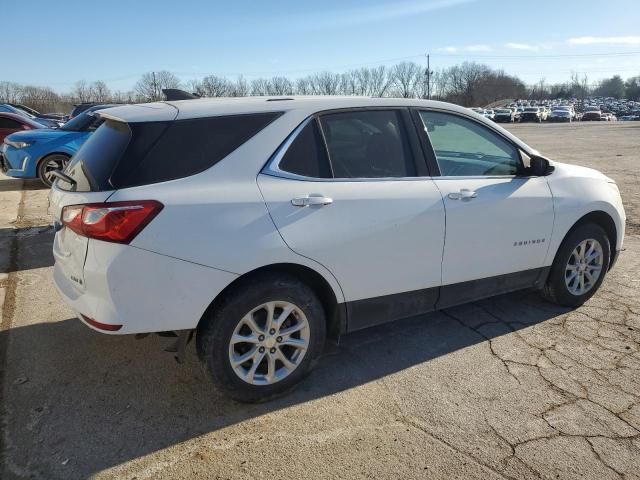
<point x="368" y="144"/>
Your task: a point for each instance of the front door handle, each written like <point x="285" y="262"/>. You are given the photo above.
<point x="464" y="194"/>
<point x="311" y="200"/>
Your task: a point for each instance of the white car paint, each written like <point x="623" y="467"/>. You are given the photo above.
<point x="378" y="237"/>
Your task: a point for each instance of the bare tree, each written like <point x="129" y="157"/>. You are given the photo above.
<point x="280" y="86"/>
<point x="100" y="92"/>
<point x="151" y="84"/>
<point x="406" y="76"/>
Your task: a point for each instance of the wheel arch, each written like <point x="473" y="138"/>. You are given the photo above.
<point x="603" y="220"/>
<point x="336" y="315"/>
<point x="49" y="154"/>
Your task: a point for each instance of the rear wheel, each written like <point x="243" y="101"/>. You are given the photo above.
<point x="263" y="339"/>
<point x="579" y="267"/>
<point x="48" y="164"/>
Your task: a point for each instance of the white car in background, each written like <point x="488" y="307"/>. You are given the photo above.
<point x="263" y="225"/>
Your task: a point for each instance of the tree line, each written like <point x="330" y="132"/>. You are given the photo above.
<point x="468" y="84"/>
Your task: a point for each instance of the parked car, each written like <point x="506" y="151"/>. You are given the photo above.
<point x="490" y="114"/>
<point x="531" y="114"/>
<point x="60" y="117"/>
<point x="592" y="115"/>
<point x="12" y="123"/>
<point x="47" y="122"/>
<point x="560" y="116"/>
<point x="261" y="226"/>
<point x="504" y="115"/>
<point x="79" y="108"/>
<point x="38" y="153"/>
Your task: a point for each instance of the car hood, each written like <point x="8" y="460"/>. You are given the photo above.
<point x="41" y="134"/>
<point x="566" y="170"/>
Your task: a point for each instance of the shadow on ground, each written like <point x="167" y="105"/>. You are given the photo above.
<point x="35" y="247"/>
<point x="18" y="184"/>
<point x="124" y="398"/>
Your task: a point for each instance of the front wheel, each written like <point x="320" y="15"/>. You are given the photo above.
<point x="48" y="164"/>
<point x="263" y="339"/>
<point x="579" y="267"/>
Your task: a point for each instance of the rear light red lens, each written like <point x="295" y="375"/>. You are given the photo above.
<point x="117" y="222"/>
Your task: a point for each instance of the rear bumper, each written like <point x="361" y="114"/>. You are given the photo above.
<point x="139" y="290"/>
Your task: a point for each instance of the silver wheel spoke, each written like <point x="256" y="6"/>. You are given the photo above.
<point x="256" y="362"/>
<point x="237" y="338"/>
<point x="584" y="267"/>
<point x="237" y="361"/>
<point x="294" y="342"/>
<point x="283" y="316"/>
<point x="257" y="355"/>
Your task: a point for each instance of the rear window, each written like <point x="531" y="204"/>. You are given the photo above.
<point x="120" y="155"/>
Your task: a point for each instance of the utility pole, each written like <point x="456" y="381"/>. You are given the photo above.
<point x="428" y="79"/>
<point x="155" y="87"/>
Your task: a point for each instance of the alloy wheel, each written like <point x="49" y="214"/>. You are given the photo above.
<point x="584" y="267"/>
<point x="269" y="343"/>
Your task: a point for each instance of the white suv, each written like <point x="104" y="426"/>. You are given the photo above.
<point x="265" y="224"/>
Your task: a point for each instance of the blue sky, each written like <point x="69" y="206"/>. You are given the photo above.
<point x="58" y="43"/>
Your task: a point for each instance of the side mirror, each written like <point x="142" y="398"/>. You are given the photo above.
<point x="540" y="166"/>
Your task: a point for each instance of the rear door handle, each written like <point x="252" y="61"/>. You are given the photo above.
<point x="311" y="200"/>
<point x="463" y="194"/>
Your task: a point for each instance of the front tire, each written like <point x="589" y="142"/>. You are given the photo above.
<point x="263" y="339"/>
<point x="579" y="267"/>
<point x="50" y="163"/>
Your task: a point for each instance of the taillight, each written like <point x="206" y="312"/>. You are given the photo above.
<point x="117" y="222"/>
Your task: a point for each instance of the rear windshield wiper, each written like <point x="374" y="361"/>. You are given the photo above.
<point x="62" y="176"/>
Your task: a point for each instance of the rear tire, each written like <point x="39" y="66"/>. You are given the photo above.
<point x="580" y="266"/>
<point x="247" y="324"/>
<point x="57" y="161"/>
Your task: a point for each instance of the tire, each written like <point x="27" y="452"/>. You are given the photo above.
<point x="229" y="319"/>
<point x="57" y="161"/>
<point x="559" y="288"/>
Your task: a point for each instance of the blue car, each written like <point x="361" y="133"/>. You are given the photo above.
<point x="37" y="153"/>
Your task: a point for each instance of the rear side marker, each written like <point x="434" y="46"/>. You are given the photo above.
<point x="101" y="326"/>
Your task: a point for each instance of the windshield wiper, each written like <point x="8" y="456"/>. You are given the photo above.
<point x="62" y="176"/>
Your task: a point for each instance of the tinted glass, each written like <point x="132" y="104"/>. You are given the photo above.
<point x="188" y="147"/>
<point x="120" y="155"/>
<point x="466" y="148"/>
<point x="306" y="155"/>
<point x="368" y="144"/>
<point x="93" y="163"/>
<point x="10" y="123"/>
<point x="83" y="122"/>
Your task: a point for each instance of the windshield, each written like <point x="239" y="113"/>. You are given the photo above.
<point x="503" y="110"/>
<point x="83" y="122"/>
<point x="531" y="109"/>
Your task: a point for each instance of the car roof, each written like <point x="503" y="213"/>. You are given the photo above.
<point x="205" y="107"/>
<point x="305" y="105"/>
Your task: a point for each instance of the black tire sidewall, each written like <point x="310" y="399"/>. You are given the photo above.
<point x="214" y="336"/>
<point x="556" y="282"/>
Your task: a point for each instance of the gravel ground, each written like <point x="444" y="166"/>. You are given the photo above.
<point x="510" y="387"/>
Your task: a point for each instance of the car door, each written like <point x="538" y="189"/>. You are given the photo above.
<point x="8" y="126"/>
<point x="348" y="190"/>
<point x="498" y="219"/>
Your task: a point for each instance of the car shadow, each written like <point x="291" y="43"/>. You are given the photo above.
<point x="35" y="248"/>
<point x="8" y="184"/>
<point x="104" y="400"/>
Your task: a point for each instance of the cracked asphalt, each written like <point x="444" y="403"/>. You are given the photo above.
<point x="510" y="387"/>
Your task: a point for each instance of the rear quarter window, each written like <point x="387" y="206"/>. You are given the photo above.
<point x="121" y="155"/>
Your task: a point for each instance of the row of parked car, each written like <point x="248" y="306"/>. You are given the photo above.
<point x="34" y="145"/>
<point x="511" y="114"/>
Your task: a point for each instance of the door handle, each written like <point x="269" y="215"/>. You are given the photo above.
<point x="463" y="194"/>
<point x="311" y="200"/>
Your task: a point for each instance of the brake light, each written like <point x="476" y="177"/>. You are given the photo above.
<point x="117" y="222"/>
